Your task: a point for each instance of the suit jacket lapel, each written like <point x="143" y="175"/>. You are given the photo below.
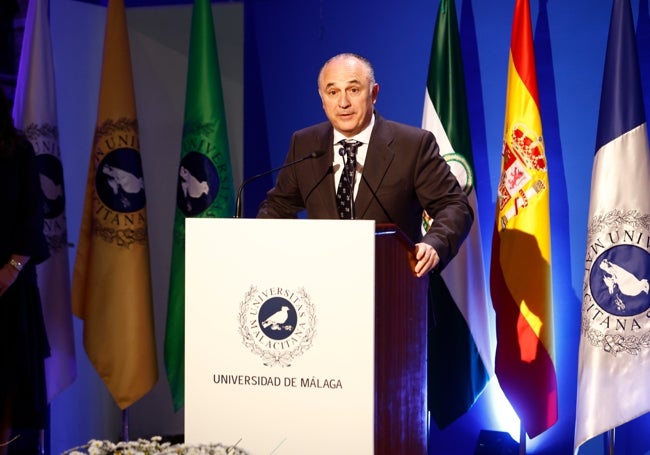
<point x="378" y="159"/>
<point x="323" y="177"/>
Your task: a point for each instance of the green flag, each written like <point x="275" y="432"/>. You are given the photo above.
<point x="459" y="339"/>
<point x="205" y="185"/>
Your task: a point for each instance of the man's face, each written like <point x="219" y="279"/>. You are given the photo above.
<point x="348" y="95"/>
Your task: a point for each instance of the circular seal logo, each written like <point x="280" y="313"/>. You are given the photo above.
<point x="460" y="168"/>
<point x="617" y="280"/>
<point x="277" y="324"/>
<point x="44" y="137"/>
<point x="277" y="318"/>
<point x="119" y="181"/>
<point x="616" y="301"/>
<point x="198" y="184"/>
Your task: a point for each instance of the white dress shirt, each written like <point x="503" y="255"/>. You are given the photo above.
<point x="337" y="164"/>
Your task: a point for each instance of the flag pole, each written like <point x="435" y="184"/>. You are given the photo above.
<point x="610" y="439"/>
<point x="125" y="425"/>
<point x="522" y="439"/>
<point x="41" y="441"/>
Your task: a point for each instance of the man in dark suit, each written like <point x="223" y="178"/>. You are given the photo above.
<point x="399" y="170"/>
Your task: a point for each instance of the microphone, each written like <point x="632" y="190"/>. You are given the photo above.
<point x="372" y="191"/>
<point x="374" y="195"/>
<point x="329" y="171"/>
<point x="314" y="154"/>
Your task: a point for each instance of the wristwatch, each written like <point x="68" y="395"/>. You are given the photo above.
<point x="16" y="264"/>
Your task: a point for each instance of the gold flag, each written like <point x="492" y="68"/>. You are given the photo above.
<point x="111" y="284"/>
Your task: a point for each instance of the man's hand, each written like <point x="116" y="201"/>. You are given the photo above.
<point x="427" y="258"/>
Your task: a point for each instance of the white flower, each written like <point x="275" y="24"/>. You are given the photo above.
<point x="153" y="446"/>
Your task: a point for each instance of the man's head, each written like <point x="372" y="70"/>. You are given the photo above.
<point x="347" y="87"/>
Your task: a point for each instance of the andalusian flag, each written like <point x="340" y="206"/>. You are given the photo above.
<point x="614" y="356"/>
<point x="205" y="185"/>
<point x="520" y="276"/>
<point x="460" y="355"/>
<point x="35" y="113"/>
<point x="111" y="283"/>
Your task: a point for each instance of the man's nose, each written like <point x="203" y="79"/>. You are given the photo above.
<point x="343" y="101"/>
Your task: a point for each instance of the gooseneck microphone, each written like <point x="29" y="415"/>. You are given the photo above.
<point x="314" y="154"/>
<point x="372" y="192"/>
<point x="374" y="195"/>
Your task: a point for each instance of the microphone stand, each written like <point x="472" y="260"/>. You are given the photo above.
<point x="354" y="178"/>
<point x="238" y="209"/>
<point x="372" y="191"/>
<point x="374" y="195"/>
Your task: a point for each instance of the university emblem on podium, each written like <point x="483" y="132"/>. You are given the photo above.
<point x="616" y="297"/>
<point x="277" y="324"/>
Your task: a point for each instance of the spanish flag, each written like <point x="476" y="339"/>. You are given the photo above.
<point x="111" y="283"/>
<point x="520" y="275"/>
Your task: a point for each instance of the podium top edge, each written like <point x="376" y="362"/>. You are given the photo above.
<point x="386" y="228"/>
<point x="382" y="229"/>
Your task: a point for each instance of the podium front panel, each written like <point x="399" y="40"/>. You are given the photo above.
<point x="279" y="335"/>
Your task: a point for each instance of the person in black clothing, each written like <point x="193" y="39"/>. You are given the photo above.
<point x="8" y="11"/>
<point x="23" y="340"/>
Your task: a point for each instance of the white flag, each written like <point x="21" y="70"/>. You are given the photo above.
<point x="35" y="113"/>
<point x="614" y="358"/>
<point x="459" y="344"/>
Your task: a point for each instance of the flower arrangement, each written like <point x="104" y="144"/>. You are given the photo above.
<point x="153" y="446"/>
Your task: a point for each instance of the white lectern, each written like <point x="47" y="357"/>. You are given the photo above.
<point x="304" y="336"/>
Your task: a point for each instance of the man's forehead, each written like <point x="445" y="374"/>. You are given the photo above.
<point x="333" y="82"/>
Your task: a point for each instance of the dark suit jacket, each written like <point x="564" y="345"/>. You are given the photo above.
<point x="403" y="173"/>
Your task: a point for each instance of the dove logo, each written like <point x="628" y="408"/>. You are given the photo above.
<point x="198" y="184"/>
<point x="619" y="281"/>
<point x="119" y="181"/>
<point x="277" y="324"/>
<point x="277" y="318"/>
<point x="51" y="176"/>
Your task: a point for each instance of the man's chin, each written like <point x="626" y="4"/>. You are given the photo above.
<point x="346" y="127"/>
